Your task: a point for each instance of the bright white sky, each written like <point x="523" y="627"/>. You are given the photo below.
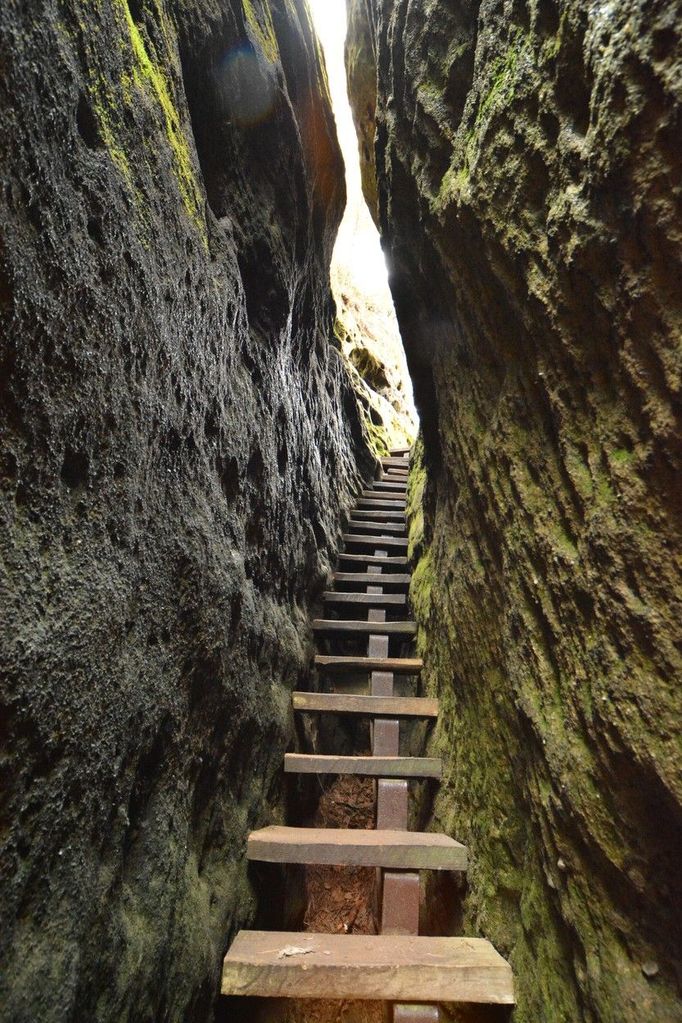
<point x="357" y="247"/>
<point x="358" y="266"/>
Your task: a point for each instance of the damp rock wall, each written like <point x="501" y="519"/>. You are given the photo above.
<point x="179" y="442"/>
<point x="524" y="169"/>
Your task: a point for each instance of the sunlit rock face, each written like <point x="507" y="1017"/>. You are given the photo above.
<point x="178" y="442"/>
<point x="366" y="328"/>
<point x="367" y="332"/>
<point x="528" y="183"/>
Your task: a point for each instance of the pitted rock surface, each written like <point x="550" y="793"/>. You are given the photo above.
<point x="525" y="172"/>
<point x="179" y="439"/>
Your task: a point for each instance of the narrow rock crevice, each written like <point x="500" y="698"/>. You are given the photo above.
<point x="186" y="421"/>
<point x="180" y="442"/>
<point x="517" y="160"/>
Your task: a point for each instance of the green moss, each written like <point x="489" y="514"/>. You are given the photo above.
<point x="264" y="34"/>
<point x="499" y="91"/>
<point x="107" y="99"/>
<point x="453" y="186"/>
<point x="562" y="542"/>
<point x="603" y="490"/>
<point x="421" y="588"/>
<point x="622" y="456"/>
<point x="579" y="472"/>
<point x="377" y="436"/>
<point x="423" y="574"/>
<point x="501" y="79"/>
<point x="430" y="91"/>
<point x="148" y="76"/>
<point x="553" y="46"/>
<point x="416" y="485"/>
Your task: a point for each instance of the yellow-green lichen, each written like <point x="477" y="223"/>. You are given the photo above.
<point x="264" y="33"/>
<point x="109" y="98"/>
<point x="147" y="76"/>
<point x="102" y="103"/>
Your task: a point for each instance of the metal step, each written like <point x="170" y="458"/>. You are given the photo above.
<point x="397" y="665"/>
<point x="394" y="486"/>
<point x="370" y="498"/>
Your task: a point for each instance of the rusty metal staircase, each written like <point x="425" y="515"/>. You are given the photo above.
<point x="397" y="966"/>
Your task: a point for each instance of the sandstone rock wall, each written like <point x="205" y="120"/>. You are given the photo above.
<point x="527" y="185"/>
<point x="367" y="332"/>
<point x="178" y="443"/>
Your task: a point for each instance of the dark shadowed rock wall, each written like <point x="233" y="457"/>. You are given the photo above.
<point x="178" y="444"/>
<point x="527" y="180"/>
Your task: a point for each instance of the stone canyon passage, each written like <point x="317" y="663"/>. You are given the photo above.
<point x="341" y="505"/>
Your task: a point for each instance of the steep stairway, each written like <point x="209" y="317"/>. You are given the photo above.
<point x="396" y="966"/>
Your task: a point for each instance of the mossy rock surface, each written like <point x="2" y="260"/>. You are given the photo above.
<point x="179" y="441"/>
<point x="527" y="175"/>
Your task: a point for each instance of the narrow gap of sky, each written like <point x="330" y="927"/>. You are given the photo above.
<point x="359" y="275"/>
<point x="358" y="245"/>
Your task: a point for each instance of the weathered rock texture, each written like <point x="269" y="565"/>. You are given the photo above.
<point x="527" y="173"/>
<point x="367" y="332"/>
<point x="366" y="328"/>
<point x="178" y="440"/>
